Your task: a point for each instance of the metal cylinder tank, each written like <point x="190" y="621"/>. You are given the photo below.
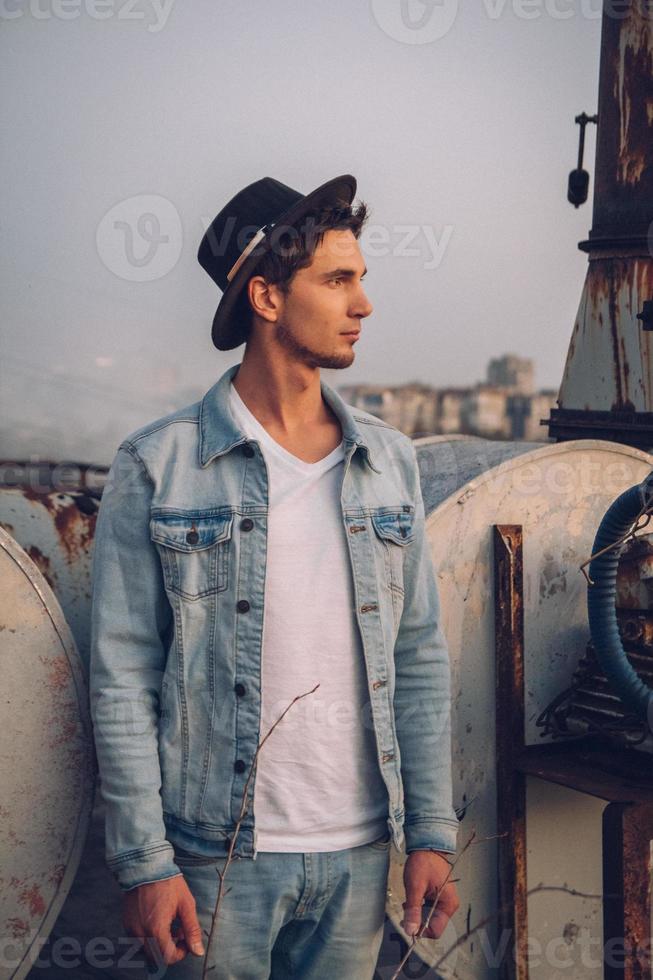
<point x="557" y="493"/>
<point x="47" y="765"/>
<point x="53" y="520"/>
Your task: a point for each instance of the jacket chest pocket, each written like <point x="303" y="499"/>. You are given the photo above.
<point x="194" y="550"/>
<point x="393" y="532"/>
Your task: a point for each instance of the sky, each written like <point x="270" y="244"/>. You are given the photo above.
<point x="128" y="124"/>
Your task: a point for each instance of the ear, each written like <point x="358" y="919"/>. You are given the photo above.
<point x="265" y="298"/>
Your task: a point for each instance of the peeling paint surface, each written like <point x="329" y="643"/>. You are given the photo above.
<point x="47" y="777"/>
<point x="558" y="493"/>
<point x="634" y="62"/>
<point x="56" y="530"/>
<point x="623" y="186"/>
<point x="609" y="365"/>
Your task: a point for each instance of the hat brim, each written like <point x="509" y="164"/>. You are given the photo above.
<point x="227" y="331"/>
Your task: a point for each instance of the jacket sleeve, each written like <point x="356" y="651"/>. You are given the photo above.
<point x="422" y="699"/>
<point x="130" y="617"/>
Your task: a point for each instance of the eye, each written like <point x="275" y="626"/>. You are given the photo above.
<point x="337" y="280"/>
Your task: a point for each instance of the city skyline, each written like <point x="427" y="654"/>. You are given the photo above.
<point x="43" y="438"/>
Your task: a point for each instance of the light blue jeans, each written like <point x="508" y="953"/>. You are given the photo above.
<point x="310" y="916"/>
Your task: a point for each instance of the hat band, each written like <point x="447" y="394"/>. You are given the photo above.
<point x="249" y="248"/>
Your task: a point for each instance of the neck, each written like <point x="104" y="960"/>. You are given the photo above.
<point x="282" y="393"/>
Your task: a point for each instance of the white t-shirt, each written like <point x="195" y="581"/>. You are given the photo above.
<point x="318" y="786"/>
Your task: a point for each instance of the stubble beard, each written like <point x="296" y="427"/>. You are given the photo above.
<point x="310" y="356"/>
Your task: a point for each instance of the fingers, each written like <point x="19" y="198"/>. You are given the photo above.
<point x="437" y="925"/>
<point x="412" y="922"/>
<point x="161" y="915"/>
<point x="160" y="948"/>
<point x="412" y="919"/>
<point x="416" y="885"/>
<point x="447" y="905"/>
<point x="162" y="945"/>
<point x="190" y="925"/>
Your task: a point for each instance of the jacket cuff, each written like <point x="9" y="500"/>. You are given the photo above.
<point x="144" y="865"/>
<point x="431" y="835"/>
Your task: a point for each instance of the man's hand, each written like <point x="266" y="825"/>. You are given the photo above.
<point x="148" y="914"/>
<point x="424" y="873"/>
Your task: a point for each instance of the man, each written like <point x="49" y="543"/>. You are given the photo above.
<point x="261" y="544"/>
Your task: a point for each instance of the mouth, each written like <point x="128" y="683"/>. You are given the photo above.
<point x="352" y="334"/>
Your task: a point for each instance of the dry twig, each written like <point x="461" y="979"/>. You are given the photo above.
<point x="241" y="816"/>
<point x="425" y="924"/>
<point x="483" y="922"/>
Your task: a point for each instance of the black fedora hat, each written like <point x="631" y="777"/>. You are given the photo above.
<point x="246" y="228"/>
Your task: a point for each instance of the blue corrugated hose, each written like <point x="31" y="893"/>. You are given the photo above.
<point x="619" y="518"/>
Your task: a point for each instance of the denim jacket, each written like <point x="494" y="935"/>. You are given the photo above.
<point x="178" y="589"/>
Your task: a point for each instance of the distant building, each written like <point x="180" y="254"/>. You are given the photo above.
<point x="380" y="400"/>
<point x="483" y="413"/>
<point x="505" y="406"/>
<point x="510" y="371"/>
<point x="449" y="410"/>
<point x="410" y="407"/>
<point x="540" y="406"/>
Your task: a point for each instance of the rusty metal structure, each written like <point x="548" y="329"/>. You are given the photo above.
<point x="590" y="705"/>
<point x="47" y="522"/>
<point x="607" y="387"/>
<point x="509" y="525"/>
<point x="620" y="780"/>
<point x="51" y="511"/>
<point x="48" y="773"/>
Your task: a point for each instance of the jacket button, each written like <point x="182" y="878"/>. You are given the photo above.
<point x="239" y="765"/>
<point x="192" y="537"/>
<point x="246" y="524"/>
<point x="240" y="689"/>
<point x="242" y="605"/>
<point x="248" y="450"/>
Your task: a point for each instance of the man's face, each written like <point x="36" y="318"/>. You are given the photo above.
<point x="320" y="317"/>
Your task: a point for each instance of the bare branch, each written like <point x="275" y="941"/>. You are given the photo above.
<point x="241" y="817"/>
<point x="483" y="922"/>
<point x="425" y="924"/>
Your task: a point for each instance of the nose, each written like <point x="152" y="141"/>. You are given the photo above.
<point x="362" y="305"/>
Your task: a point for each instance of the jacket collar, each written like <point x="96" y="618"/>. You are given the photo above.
<point x="219" y="432"/>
